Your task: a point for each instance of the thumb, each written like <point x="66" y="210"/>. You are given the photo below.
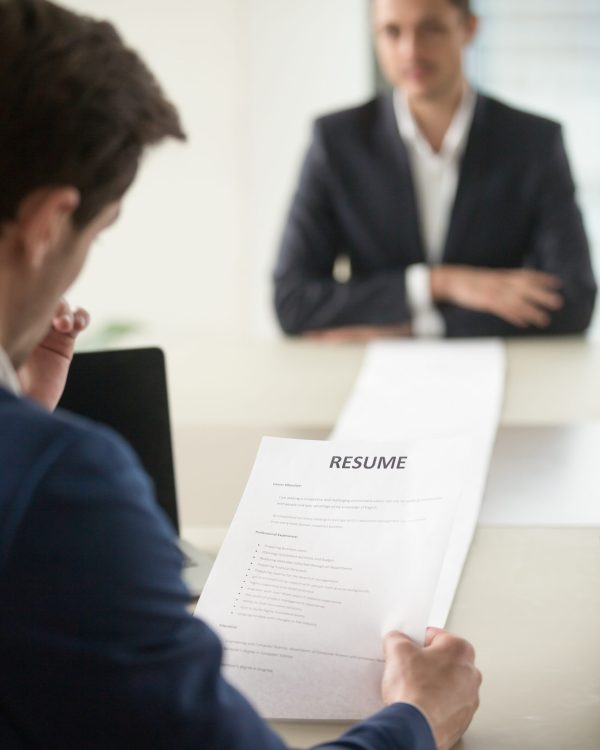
<point x="432" y="634"/>
<point x="63" y="317"/>
<point x="395" y="639"/>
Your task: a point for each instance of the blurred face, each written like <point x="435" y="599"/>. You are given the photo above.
<point x="419" y="45"/>
<point x="42" y="286"/>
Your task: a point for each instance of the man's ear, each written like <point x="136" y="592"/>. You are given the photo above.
<point x="471" y="26"/>
<point x="43" y="220"/>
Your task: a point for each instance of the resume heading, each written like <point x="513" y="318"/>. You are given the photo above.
<point x="368" y="462"/>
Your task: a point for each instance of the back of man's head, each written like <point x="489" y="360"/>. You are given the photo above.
<point x="78" y="107"/>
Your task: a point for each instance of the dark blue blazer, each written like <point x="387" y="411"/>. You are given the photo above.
<point x="97" y="648"/>
<point x="514" y="207"/>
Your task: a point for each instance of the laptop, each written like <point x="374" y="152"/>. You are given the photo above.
<point x="126" y="389"/>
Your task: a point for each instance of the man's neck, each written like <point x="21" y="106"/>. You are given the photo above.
<point x="8" y="376"/>
<point x="433" y="116"/>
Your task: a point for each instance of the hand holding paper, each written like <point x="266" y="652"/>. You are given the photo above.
<point x="440" y="679"/>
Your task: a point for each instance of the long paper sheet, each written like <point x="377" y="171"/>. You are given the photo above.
<point x="425" y="389"/>
<point x="326" y="554"/>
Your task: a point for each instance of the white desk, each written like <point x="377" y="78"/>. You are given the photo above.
<point x="529" y="598"/>
<point x="295" y="383"/>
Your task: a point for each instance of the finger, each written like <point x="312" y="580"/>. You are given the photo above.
<point x="324" y="335"/>
<point x="64" y="321"/>
<point x="341" y="336"/>
<point x="62" y="308"/>
<point x="521" y="314"/>
<point x="331" y="338"/>
<point x="543" y="297"/>
<point x="538" y="278"/>
<point x="459" y="648"/>
<point x="81" y="320"/>
<point x="394" y="639"/>
<point x="532" y="314"/>
<point x="441" y="639"/>
<point x="432" y="634"/>
<point x="467" y="650"/>
<point x="509" y="315"/>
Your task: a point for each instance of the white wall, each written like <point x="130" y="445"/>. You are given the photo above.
<point x="195" y="245"/>
<point x="305" y="58"/>
<point x="168" y="261"/>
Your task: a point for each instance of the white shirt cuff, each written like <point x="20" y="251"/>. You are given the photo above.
<point x="426" y="320"/>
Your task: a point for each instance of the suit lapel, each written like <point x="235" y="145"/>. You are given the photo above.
<point x="469" y="182"/>
<point x="400" y="181"/>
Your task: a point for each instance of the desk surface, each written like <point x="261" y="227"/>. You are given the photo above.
<point x="529" y="598"/>
<point x="302" y="384"/>
<point x="297" y="389"/>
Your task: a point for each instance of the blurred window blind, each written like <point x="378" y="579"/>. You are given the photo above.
<point x="544" y="56"/>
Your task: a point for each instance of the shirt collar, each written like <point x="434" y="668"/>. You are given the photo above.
<point x="8" y="375"/>
<point x="456" y="136"/>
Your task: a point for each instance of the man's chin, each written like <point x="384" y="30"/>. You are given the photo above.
<point x="419" y="93"/>
<point x="424" y="94"/>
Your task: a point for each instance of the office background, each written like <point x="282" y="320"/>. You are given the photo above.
<point x="193" y="251"/>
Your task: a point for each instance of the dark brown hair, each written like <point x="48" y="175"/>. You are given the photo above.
<point x="77" y="107"/>
<point x="463" y="5"/>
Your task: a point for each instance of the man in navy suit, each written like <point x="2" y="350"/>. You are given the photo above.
<point x="97" y="647"/>
<point x="455" y="213"/>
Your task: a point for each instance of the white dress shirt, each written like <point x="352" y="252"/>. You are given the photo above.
<point x="435" y="178"/>
<point x="8" y="376"/>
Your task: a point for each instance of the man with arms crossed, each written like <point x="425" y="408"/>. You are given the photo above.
<point x="97" y="647"/>
<point x="456" y="213"/>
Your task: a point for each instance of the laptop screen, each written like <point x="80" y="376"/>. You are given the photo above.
<point x="126" y="389"/>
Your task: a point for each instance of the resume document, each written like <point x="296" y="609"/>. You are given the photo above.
<point x="334" y="543"/>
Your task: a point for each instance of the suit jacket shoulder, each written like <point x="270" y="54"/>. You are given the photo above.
<point x="33" y="442"/>
<point x="508" y="124"/>
<point x="355" y="122"/>
<point x="360" y="113"/>
<point x="506" y="113"/>
<point x="496" y="114"/>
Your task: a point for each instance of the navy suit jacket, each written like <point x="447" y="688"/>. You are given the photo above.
<point x="97" y="648"/>
<point x="514" y="208"/>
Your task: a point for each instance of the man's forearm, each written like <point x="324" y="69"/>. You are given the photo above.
<point x="303" y="304"/>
